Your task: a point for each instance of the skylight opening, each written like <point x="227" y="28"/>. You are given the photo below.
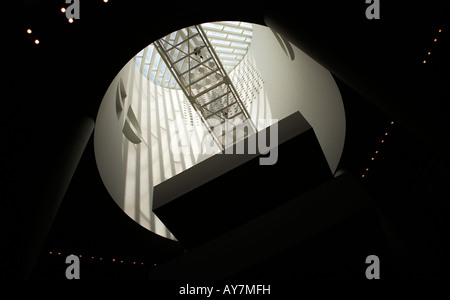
<point x="229" y="56"/>
<point x="152" y="75"/>
<point x="230" y="62"/>
<point x="236" y="38"/>
<point x="220" y="42"/>
<point x="145" y="70"/>
<point x="229" y="39"/>
<point x="234" y="23"/>
<point x="233" y="30"/>
<point x="161" y="71"/>
<point x="217" y="34"/>
<point x="246" y="25"/>
<point x="239" y="45"/>
<point x="240" y="51"/>
<point x="138" y="61"/>
<point x="223" y="49"/>
<point x="212" y="26"/>
<point x="148" y="57"/>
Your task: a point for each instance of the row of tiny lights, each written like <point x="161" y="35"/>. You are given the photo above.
<point x="429" y="52"/>
<point x="63" y="10"/>
<point x="382" y="141"/>
<point x="101" y="258"/>
<point x="70" y="20"/>
<point x="37" y="41"/>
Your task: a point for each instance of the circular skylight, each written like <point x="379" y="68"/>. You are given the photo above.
<point x="230" y="41"/>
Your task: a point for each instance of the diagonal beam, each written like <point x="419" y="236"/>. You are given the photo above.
<point x="194" y="63"/>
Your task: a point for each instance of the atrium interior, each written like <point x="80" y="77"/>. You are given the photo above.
<point x="196" y="92"/>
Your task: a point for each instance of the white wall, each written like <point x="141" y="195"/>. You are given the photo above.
<point x="300" y="85"/>
<point x="271" y="85"/>
<point x="130" y="171"/>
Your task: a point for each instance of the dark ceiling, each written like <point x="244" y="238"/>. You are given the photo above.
<point x="378" y="65"/>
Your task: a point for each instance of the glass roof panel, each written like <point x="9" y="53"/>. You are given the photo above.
<point x="229" y="39"/>
<point x="232" y="29"/>
<point x="236" y="38"/>
<point x="245" y="25"/>
<point x="217" y="34"/>
<point x="219" y="42"/>
<point x="212" y="26"/>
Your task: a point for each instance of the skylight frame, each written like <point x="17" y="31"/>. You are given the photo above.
<point x="230" y="39"/>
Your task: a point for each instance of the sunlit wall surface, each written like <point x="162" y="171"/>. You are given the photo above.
<point x="147" y="131"/>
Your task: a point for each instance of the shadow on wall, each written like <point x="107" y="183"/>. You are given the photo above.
<point x="131" y="128"/>
<point x="285" y="45"/>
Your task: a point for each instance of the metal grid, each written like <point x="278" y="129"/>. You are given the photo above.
<point x="230" y="41"/>
<point x="196" y="67"/>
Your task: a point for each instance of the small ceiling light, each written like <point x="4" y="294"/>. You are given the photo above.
<point x="429" y="53"/>
<point x="29" y="31"/>
<point x="376" y="152"/>
<point x="386" y="133"/>
<point x="50" y="252"/>
<point x="440" y="30"/>
<point x="373" y="158"/>
<point x="59" y="253"/>
<point x="134" y="262"/>
<point x="106" y="1"/>
<point x="81" y="255"/>
<point x="71" y="20"/>
<point x="392" y="123"/>
<point x="63" y="9"/>
<point x="367" y="169"/>
<point x="435" y="40"/>
<point x="36" y="41"/>
<point x="382" y="141"/>
<point x="424" y="61"/>
<point x="363" y="176"/>
<point x="101" y="258"/>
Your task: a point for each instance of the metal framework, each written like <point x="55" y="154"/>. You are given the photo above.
<point x="196" y="67"/>
<point x="230" y="41"/>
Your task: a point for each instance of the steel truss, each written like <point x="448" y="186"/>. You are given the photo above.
<point x="200" y="74"/>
